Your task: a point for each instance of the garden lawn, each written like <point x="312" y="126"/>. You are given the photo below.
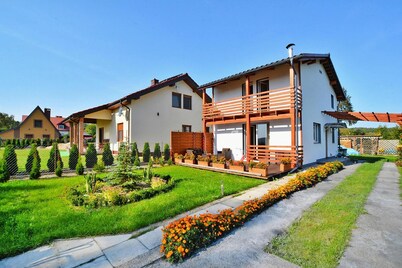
<point x="33" y="213"/>
<point x="319" y="238"/>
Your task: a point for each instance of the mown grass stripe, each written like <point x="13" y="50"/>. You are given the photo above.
<point x="319" y="238"/>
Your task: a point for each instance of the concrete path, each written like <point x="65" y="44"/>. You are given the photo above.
<point x="377" y="240"/>
<point x="113" y="251"/>
<point x="244" y="247"/>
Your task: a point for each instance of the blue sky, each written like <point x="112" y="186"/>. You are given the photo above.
<point x="73" y="55"/>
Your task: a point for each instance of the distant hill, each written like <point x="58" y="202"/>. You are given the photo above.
<point x="393" y="133"/>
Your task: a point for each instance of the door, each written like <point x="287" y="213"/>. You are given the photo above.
<point x="263" y="86"/>
<point x="101" y="135"/>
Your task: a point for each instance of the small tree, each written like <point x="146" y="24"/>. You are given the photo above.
<point x="34" y="174"/>
<point x="107" y="156"/>
<point x="146" y="153"/>
<point x="124" y="165"/>
<point x="79" y="169"/>
<point x="166" y="152"/>
<point x="91" y="157"/>
<point x="157" y="151"/>
<point x="59" y="170"/>
<point x="31" y="157"/>
<point x="73" y="157"/>
<point x="137" y="162"/>
<point x="54" y="157"/>
<point x="4" y="175"/>
<point x="10" y="158"/>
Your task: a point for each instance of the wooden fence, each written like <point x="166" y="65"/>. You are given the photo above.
<point x="181" y="141"/>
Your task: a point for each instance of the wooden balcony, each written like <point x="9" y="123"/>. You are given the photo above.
<point x="277" y="102"/>
<point x="274" y="154"/>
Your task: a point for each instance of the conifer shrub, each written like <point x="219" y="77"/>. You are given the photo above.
<point x="79" y="169"/>
<point x="99" y="166"/>
<point x="107" y="156"/>
<point x="91" y="157"/>
<point x="166" y="152"/>
<point x="157" y="151"/>
<point x="10" y="158"/>
<point x="54" y="157"/>
<point x="73" y="157"/>
<point x="134" y="151"/>
<point x="59" y="169"/>
<point x="34" y="173"/>
<point x="137" y="162"/>
<point x="4" y="174"/>
<point x="30" y="159"/>
<point x="146" y="153"/>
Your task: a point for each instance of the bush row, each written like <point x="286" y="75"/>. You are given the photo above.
<point x="183" y="237"/>
<point x="24" y="143"/>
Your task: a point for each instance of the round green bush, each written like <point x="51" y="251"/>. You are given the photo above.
<point x="10" y="158"/>
<point x="91" y="157"/>
<point x="73" y="157"/>
<point x="157" y="151"/>
<point x="166" y="152"/>
<point x="107" y="156"/>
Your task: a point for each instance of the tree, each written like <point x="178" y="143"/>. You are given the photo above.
<point x="59" y="169"/>
<point x="146" y="152"/>
<point x="346" y="106"/>
<point x="91" y="129"/>
<point x="107" y="156"/>
<point x="157" y="151"/>
<point x="91" y="157"/>
<point x="4" y="175"/>
<point x="31" y="157"/>
<point x="73" y="157"/>
<point x="134" y="151"/>
<point x="35" y="171"/>
<point x="166" y="152"/>
<point x="79" y="169"/>
<point x="54" y="157"/>
<point x="7" y="122"/>
<point x="10" y="158"/>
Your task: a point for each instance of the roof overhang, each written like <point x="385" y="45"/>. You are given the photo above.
<point x="335" y="125"/>
<point x="367" y="116"/>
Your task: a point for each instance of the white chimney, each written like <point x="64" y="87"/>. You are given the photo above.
<point x="290" y="50"/>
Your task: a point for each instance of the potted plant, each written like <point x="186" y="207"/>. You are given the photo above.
<point x="218" y="162"/>
<point x="285" y="164"/>
<point x="204" y="160"/>
<point x="178" y="158"/>
<point x="236" y="165"/>
<point x="189" y="158"/>
<point x="259" y="168"/>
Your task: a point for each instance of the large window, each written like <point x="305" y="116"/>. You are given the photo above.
<point x="38" y="123"/>
<point x="120" y="132"/>
<point x="186" y="128"/>
<point x="316" y="133"/>
<point x="187" y="102"/>
<point x="176" y="100"/>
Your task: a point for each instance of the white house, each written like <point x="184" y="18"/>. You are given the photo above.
<point x="148" y="115"/>
<point x="275" y="111"/>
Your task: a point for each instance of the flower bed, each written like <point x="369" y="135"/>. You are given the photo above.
<point x="183" y="237"/>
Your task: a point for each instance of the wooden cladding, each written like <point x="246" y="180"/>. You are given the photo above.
<point x="281" y="100"/>
<point x="274" y="154"/>
<point x="181" y="141"/>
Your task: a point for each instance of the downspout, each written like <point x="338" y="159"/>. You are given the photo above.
<point x="290" y="54"/>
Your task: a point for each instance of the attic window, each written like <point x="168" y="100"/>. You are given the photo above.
<point x="38" y="123"/>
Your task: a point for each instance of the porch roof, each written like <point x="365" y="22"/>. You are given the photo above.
<point x="367" y="116"/>
<point x="324" y="59"/>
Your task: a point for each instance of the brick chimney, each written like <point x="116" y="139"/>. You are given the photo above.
<point x="154" y="82"/>
<point x="47" y="113"/>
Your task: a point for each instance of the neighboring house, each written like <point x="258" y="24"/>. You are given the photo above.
<point x="37" y="125"/>
<point x="148" y="115"/>
<point x="256" y="112"/>
<point x="63" y="128"/>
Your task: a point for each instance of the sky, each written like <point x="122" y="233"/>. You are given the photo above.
<point x="73" y="55"/>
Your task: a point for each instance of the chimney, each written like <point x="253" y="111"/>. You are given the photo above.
<point x="290" y="50"/>
<point x="154" y="82"/>
<point x="47" y="113"/>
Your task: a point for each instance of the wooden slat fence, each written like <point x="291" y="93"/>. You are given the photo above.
<point x="181" y="141"/>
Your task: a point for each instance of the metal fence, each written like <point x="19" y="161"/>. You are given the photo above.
<point x="373" y="145"/>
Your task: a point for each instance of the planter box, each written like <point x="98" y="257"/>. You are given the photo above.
<point x="178" y="160"/>
<point x="218" y="165"/>
<point x="262" y="171"/>
<point x="284" y="167"/>
<point x="189" y="161"/>
<point x="237" y="168"/>
<point x="203" y="163"/>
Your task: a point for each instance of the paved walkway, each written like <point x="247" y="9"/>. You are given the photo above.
<point x="113" y="251"/>
<point x="377" y="240"/>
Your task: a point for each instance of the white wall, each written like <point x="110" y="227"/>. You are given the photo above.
<point x="316" y="98"/>
<point x="229" y="136"/>
<point x="279" y="132"/>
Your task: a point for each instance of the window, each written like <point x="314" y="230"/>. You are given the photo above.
<point x="316" y="133"/>
<point x="243" y="89"/>
<point x="38" y="123"/>
<point x="120" y="132"/>
<point x="176" y="100"/>
<point x="61" y="126"/>
<point x="186" y="102"/>
<point x="332" y="101"/>
<point x="333" y="135"/>
<point x="186" y="128"/>
<point x="262" y="85"/>
<point x="45" y="136"/>
<point x="29" y="136"/>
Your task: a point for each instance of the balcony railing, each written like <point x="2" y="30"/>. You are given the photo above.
<point x="274" y="154"/>
<point x="281" y="99"/>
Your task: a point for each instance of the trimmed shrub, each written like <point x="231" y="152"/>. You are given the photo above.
<point x="134" y="151"/>
<point x="10" y="158"/>
<point x="73" y="157"/>
<point x="157" y="151"/>
<point x="54" y="157"/>
<point x="79" y="169"/>
<point x="31" y="157"/>
<point x="146" y="153"/>
<point x="4" y="175"/>
<point x="59" y="170"/>
<point x="137" y="162"/>
<point x="107" y="156"/>
<point x="166" y="152"/>
<point x="91" y="157"/>
<point x="99" y="166"/>
<point x="34" y="174"/>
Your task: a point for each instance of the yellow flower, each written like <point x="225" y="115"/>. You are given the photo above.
<point x="169" y="254"/>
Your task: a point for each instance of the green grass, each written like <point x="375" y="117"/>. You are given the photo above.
<point x="33" y="213"/>
<point x="319" y="238"/>
<point x="374" y="158"/>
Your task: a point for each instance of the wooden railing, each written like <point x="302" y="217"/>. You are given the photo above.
<point x="274" y="154"/>
<point x="281" y="99"/>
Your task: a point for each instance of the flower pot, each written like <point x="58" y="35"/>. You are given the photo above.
<point x="262" y="171"/>
<point x="203" y="163"/>
<point x="284" y="167"/>
<point x="189" y="161"/>
<point x="237" y="168"/>
<point x="178" y="160"/>
<point x="218" y="165"/>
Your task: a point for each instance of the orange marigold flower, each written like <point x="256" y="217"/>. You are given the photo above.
<point x="164" y="241"/>
<point x="169" y="254"/>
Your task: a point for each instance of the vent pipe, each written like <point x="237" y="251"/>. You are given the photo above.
<point x="289" y="47"/>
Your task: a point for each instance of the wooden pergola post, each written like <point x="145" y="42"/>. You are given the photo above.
<point x="81" y="136"/>
<point x="292" y="112"/>
<point x="248" y="123"/>
<point x="204" y="123"/>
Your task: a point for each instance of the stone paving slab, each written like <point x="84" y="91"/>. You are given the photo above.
<point x="108" y="241"/>
<point x="233" y="202"/>
<point x="100" y="262"/>
<point x="28" y="258"/>
<point x="152" y="239"/>
<point x="124" y="252"/>
<point x="212" y="209"/>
